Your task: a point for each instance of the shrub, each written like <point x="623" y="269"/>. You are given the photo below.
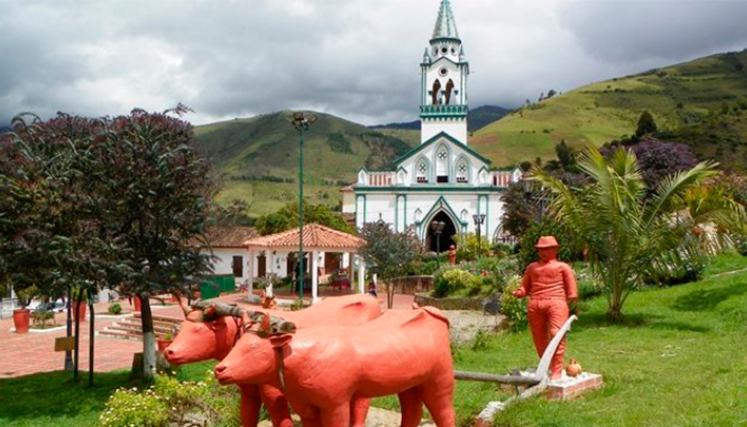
<point x="740" y="243"/>
<point x="115" y="309"/>
<point x="172" y="402"/>
<point x="588" y="286"/>
<point x="514" y="309"/>
<point x="453" y="280"/>
<point x="528" y="253"/>
<point x="469" y="245"/>
<point x="41" y="316"/>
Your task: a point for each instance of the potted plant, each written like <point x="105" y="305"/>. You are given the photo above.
<point x="22" y="315"/>
<point x="165" y="342"/>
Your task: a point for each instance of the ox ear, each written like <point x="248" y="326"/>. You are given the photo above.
<point x="280" y="341"/>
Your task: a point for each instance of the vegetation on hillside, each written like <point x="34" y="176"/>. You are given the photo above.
<point x="701" y="103"/>
<point x="257" y="158"/>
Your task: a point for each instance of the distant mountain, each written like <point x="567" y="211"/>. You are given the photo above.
<point x="702" y="102"/>
<point x="258" y="157"/>
<point x="478" y="118"/>
<point x="4" y="129"/>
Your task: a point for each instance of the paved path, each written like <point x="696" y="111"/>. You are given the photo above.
<point x="32" y="353"/>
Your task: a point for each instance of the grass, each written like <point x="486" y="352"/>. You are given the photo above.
<point x="54" y="400"/>
<point x="257" y="158"/>
<point x="683" y="96"/>
<point x="679" y="359"/>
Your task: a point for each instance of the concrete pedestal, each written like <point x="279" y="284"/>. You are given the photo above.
<point x="568" y="388"/>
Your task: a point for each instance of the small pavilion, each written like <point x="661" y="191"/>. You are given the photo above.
<point x="317" y="242"/>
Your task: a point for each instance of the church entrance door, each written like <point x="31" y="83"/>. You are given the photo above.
<point x="441" y="241"/>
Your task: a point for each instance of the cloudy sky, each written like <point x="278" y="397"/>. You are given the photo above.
<point x="353" y="58"/>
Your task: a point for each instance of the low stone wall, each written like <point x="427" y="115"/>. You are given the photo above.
<point x="409" y="285"/>
<point x="449" y="303"/>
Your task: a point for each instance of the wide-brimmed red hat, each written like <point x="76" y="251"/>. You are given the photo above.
<point x="547" y="242"/>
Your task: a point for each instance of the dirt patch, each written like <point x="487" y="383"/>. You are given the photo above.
<point x="464" y="325"/>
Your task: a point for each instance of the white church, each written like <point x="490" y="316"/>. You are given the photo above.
<point x="442" y="180"/>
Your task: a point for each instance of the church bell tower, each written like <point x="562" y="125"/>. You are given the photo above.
<point x="443" y="105"/>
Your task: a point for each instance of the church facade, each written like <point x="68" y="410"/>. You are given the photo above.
<point x="442" y="181"/>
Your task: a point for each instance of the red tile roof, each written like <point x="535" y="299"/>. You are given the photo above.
<point x="314" y="236"/>
<point x="227" y="237"/>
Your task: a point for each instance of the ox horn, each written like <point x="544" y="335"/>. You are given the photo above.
<point x="178" y="295"/>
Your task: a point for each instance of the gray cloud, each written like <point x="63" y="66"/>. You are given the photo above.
<point x="354" y="58"/>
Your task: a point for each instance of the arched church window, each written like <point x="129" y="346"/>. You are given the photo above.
<point x="436" y="92"/>
<point x="442" y="165"/>
<point x="449" y="89"/>
<point x="422" y="172"/>
<point x="462" y="172"/>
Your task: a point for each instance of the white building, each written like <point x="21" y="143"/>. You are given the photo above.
<point x="442" y="179"/>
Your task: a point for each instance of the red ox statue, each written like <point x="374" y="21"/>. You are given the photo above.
<point x="323" y="368"/>
<point x="211" y="333"/>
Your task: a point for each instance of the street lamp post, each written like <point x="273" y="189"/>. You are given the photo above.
<point x="302" y="123"/>
<point x="479" y="220"/>
<point x="438" y="228"/>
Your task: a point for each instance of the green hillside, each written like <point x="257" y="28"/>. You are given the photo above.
<point x="258" y="157"/>
<point x="705" y="95"/>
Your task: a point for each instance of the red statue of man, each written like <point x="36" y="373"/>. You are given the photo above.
<point x="551" y="287"/>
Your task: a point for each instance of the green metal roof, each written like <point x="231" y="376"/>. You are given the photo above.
<point x="445" y="24"/>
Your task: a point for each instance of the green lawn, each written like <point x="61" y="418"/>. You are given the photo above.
<point x="679" y="359"/>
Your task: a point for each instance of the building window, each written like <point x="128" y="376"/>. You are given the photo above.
<point x="422" y="176"/>
<point x="462" y="172"/>
<point x="238" y="266"/>
<point x="442" y="166"/>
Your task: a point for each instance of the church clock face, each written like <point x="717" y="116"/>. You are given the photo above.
<point x="444" y="72"/>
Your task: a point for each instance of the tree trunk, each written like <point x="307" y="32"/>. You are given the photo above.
<point x="69" y="331"/>
<point x="149" y="339"/>
<point x="76" y="360"/>
<point x="90" y="339"/>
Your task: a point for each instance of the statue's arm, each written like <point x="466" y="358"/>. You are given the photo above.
<point x="569" y="279"/>
<point x="526" y="284"/>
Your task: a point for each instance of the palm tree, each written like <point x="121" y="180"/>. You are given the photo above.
<point x="632" y="232"/>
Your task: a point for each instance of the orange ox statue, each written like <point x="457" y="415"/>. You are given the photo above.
<point x="551" y="287"/>
<point x="323" y="368"/>
<point x="211" y="333"/>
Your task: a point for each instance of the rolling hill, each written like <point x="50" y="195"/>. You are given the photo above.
<point x="701" y="102"/>
<point x="477" y="119"/>
<point x="258" y="157"/>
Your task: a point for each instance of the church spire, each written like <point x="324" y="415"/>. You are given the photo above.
<point x="446" y="24"/>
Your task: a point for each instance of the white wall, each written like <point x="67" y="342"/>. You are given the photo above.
<point x="223" y="264"/>
<point x="457" y="128"/>
<point x="421" y="204"/>
<point x="348" y="202"/>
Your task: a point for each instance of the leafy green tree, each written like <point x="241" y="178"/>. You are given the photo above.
<point x="287" y="218"/>
<point x="630" y="234"/>
<point x="646" y="125"/>
<point x="159" y="193"/>
<point x="387" y="252"/>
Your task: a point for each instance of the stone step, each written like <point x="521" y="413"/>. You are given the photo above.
<point x="162" y="319"/>
<point x="137" y="322"/>
<point x="126" y="335"/>
<point x="136" y="328"/>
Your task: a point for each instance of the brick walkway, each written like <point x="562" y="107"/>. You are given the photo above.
<point x="32" y="353"/>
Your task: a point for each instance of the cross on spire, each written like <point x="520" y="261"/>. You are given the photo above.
<point x="446" y="23"/>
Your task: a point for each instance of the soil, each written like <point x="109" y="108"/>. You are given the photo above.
<point x="376" y="418"/>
